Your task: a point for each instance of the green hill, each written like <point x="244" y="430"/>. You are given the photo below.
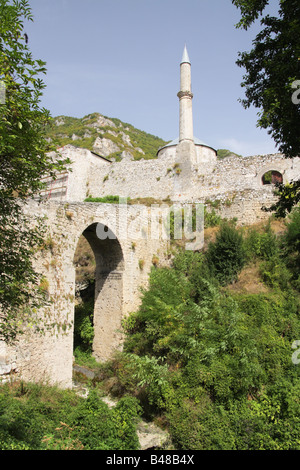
<point x="109" y="137"/>
<point x="224" y="153"/>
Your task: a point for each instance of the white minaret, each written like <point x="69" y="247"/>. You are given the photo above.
<point x="190" y="152"/>
<point x="186" y="150"/>
<point x="185" y="96"/>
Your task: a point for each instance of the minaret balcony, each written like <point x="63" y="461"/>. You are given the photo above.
<point x="185" y="94"/>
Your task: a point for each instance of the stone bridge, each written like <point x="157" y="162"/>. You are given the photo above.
<point x="124" y="240"/>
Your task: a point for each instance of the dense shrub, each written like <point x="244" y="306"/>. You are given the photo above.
<point x="39" y="417"/>
<point x="261" y="244"/>
<point x="227" y="255"/>
<point x="291" y="246"/>
<point x="292" y="235"/>
<point x="211" y="218"/>
<point x="218" y="363"/>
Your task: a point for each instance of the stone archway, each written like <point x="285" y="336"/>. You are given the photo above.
<point x="119" y="278"/>
<point x="272" y="177"/>
<point x="108" y="303"/>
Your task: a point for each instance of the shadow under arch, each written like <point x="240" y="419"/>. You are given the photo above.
<point x="108" y="289"/>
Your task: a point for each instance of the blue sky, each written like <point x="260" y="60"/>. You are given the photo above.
<point x="121" y="58"/>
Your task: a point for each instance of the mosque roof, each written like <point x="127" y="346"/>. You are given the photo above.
<point x="176" y="142"/>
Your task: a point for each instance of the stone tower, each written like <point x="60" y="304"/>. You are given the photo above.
<point x="188" y="150"/>
<point x="186" y="154"/>
<point x="185" y="96"/>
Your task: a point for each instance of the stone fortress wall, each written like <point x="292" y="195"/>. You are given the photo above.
<point x="234" y="181"/>
<point x="185" y="171"/>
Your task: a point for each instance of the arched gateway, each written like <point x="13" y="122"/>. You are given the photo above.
<point x="121" y="237"/>
<point x="108" y="306"/>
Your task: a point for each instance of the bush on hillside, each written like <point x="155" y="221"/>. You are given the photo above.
<point x="217" y="364"/>
<point x="227" y="255"/>
<point x="35" y="417"/>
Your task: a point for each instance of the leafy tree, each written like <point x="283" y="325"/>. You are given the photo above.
<point x="288" y="198"/>
<point x="291" y="243"/>
<point x="250" y="10"/>
<point x="227" y="255"/>
<point x="272" y="74"/>
<point x="272" y="67"/>
<point x="23" y="162"/>
<point x="215" y="364"/>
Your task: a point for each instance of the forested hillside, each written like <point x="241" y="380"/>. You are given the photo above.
<point x="209" y="354"/>
<point x="109" y="137"/>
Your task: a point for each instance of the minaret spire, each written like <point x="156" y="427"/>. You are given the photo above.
<point x="185" y="56"/>
<point x="185" y="96"/>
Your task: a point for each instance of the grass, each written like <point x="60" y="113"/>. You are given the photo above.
<point x="107" y="199"/>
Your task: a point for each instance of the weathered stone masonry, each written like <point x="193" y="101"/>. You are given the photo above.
<point x="119" y="276"/>
<point x="236" y="182"/>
